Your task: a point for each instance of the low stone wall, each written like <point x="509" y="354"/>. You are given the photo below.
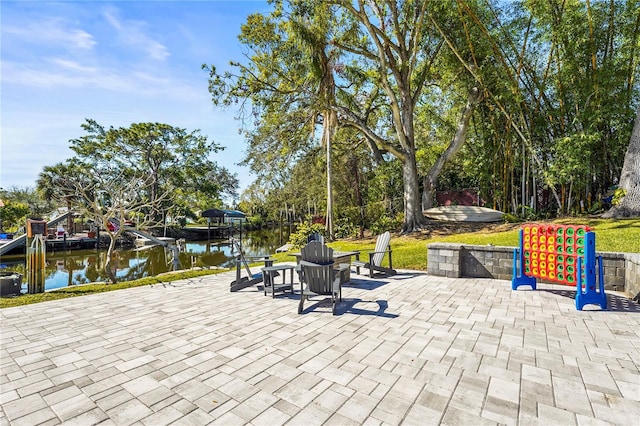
<point x="621" y="270"/>
<point x="632" y="276"/>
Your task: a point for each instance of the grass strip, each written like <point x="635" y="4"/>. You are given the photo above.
<point x="86" y="289"/>
<point x="409" y="252"/>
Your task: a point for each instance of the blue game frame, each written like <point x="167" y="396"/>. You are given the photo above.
<point x="587" y="293"/>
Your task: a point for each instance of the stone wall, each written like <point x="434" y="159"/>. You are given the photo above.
<point x="621" y="270"/>
<point x="632" y="276"/>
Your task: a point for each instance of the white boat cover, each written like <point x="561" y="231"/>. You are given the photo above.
<point x="464" y="214"/>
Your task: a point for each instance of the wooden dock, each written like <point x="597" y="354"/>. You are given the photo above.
<point x="71" y="243"/>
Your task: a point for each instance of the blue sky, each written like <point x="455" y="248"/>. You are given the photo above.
<point x="117" y="62"/>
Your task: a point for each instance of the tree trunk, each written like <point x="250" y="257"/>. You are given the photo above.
<point x="629" y="206"/>
<point x="329" y="125"/>
<point x="70" y="229"/>
<point x="111" y="259"/>
<point x="456" y="143"/>
<point x="413" y="217"/>
<point x="358" y="192"/>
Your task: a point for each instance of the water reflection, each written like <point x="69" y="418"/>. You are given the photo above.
<point x="76" y="267"/>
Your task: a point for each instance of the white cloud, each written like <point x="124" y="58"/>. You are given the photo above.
<point x="63" y="62"/>
<point x="59" y="74"/>
<point x="72" y="65"/>
<point x="52" y="31"/>
<point x="132" y="34"/>
<point x="81" y="39"/>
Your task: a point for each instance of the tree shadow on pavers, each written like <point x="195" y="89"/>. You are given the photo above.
<point x="615" y="303"/>
<point x="621" y="304"/>
<point x="347" y="306"/>
<point x="255" y="288"/>
<point x="365" y="284"/>
<point x="185" y="282"/>
<point x="351" y="308"/>
<point x="405" y="275"/>
<point x="373" y="283"/>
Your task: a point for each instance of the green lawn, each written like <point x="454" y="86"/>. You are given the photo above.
<point x="409" y="252"/>
<point x="82" y="290"/>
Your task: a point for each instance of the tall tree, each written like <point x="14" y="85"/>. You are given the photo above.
<point x="289" y="79"/>
<point x="392" y="42"/>
<point x="312" y="28"/>
<point x="629" y="206"/>
<point x="172" y="159"/>
<point x="387" y="54"/>
<point x="106" y="195"/>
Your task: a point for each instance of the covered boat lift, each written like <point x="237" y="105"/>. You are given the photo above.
<point x="222" y="214"/>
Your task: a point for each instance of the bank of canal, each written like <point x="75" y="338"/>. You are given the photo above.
<point x="75" y="267"/>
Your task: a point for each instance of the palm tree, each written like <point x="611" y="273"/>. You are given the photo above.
<point x="314" y="37"/>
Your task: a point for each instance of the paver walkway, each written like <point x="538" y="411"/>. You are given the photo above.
<point x="409" y="349"/>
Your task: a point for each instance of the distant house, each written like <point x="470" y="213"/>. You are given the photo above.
<point x="462" y="197"/>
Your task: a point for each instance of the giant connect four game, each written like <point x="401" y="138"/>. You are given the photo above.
<point x="561" y="254"/>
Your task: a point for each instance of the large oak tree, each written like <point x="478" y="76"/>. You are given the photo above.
<point x="383" y="53"/>
<point x="629" y="206"/>
<point x="139" y="172"/>
<point x="171" y="159"/>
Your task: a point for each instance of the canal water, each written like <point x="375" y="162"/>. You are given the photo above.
<point x="69" y="268"/>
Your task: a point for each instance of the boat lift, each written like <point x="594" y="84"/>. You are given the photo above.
<point x="241" y="260"/>
<point x="22" y="239"/>
<point x="174" y="248"/>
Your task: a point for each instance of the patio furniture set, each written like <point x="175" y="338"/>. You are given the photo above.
<point x="321" y="270"/>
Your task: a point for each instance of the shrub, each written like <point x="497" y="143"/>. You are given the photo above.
<point x="511" y="218"/>
<point x="256" y="222"/>
<point x="386" y="223"/>
<point x="299" y="238"/>
<point x="596" y="208"/>
<point x="344" y="228"/>
<point x="618" y="195"/>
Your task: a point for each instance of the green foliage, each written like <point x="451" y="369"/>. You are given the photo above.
<point x="343" y="228"/>
<point x="572" y="159"/>
<point x="511" y="218"/>
<point x="618" y="195"/>
<point x="13" y="215"/>
<point x="386" y="187"/>
<point x="169" y="160"/>
<point x="256" y="222"/>
<point x="83" y="290"/>
<point x="299" y="238"/>
<point x="527" y="213"/>
<point x="385" y="223"/>
<point x="597" y="207"/>
<point x="38" y="205"/>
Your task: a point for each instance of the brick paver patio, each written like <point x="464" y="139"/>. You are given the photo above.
<point x="409" y="349"/>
